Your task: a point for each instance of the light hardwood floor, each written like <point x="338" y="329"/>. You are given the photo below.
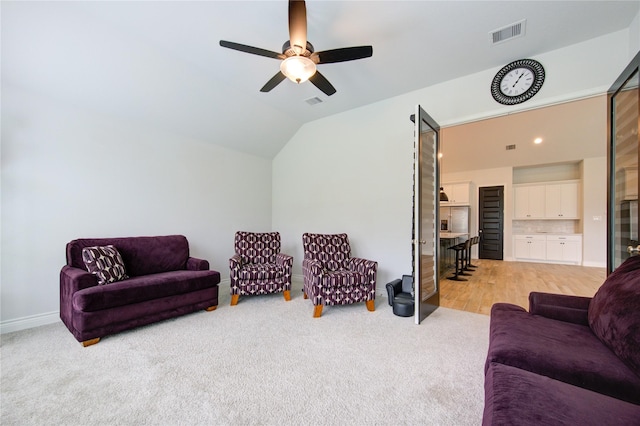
<point x="496" y="281"/>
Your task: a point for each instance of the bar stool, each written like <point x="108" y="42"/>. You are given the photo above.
<point x="461" y="258"/>
<point x="468" y="266"/>
<point x="474" y="240"/>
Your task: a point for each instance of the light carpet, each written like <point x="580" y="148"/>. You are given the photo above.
<point x="262" y="362"/>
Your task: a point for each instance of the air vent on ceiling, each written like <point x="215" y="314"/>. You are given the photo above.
<point x="313" y="101"/>
<point x="507" y="33"/>
<point x="510" y="147"/>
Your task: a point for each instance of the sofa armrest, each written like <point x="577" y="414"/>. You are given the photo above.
<point x="393" y="288"/>
<point x="314" y="268"/>
<point x="195" y="264"/>
<point x="366" y="267"/>
<point x="363" y="266"/>
<point x="562" y="307"/>
<point x="75" y="279"/>
<point x="284" y="260"/>
<point x="235" y="262"/>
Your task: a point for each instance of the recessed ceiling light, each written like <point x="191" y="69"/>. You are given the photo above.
<point x="537" y="141"/>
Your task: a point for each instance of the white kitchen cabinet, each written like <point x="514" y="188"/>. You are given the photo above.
<point x="552" y="200"/>
<point x="548" y="248"/>
<point x="529" y="202"/>
<point x="530" y="247"/>
<point x="561" y="201"/>
<point x="564" y="248"/>
<point x="458" y="193"/>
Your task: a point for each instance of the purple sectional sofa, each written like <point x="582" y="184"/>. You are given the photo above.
<point x="161" y="281"/>
<point x="569" y="360"/>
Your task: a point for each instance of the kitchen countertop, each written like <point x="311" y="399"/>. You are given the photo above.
<point x="546" y="233"/>
<point x="452" y="235"/>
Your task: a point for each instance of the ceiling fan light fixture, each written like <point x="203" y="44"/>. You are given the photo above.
<point x="298" y="68"/>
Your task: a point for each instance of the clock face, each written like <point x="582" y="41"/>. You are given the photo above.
<point x="517" y="82"/>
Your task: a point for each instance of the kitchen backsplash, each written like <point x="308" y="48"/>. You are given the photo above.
<point x="546" y="226"/>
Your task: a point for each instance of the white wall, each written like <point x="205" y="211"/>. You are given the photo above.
<point x="69" y="173"/>
<point x="352" y="172"/>
<point x="634" y="37"/>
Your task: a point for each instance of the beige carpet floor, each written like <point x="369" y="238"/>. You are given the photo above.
<point x="262" y="362"/>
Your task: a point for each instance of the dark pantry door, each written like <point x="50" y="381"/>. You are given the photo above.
<point x="491" y="222"/>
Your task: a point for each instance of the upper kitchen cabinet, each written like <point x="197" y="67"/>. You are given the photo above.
<point x="458" y="193"/>
<point x="561" y="201"/>
<point x="549" y="200"/>
<point x="529" y="201"/>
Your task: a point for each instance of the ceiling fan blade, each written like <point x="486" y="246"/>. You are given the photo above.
<point x="298" y="26"/>
<point x="251" y="49"/>
<point x="342" y="55"/>
<point x="275" y="80"/>
<point x="322" y="83"/>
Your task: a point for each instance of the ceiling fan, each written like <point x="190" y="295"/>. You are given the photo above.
<point x="298" y="57"/>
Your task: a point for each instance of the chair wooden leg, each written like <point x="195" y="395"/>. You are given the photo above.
<point x="90" y="342"/>
<point x="287" y="295"/>
<point x="371" y="305"/>
<point x="317" y="311"/>
<point x="211" y="308"/>
<point x="234" y="299"/>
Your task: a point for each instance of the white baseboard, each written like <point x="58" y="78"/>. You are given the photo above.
<point x="595" y="264"/>
<point x="29" y="322"/>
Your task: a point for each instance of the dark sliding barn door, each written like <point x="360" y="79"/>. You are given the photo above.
<point x="491" y="222"/>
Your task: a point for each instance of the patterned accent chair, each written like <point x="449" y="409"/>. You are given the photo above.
<point x="332" y="276"/>
<point x="258" y="267"/>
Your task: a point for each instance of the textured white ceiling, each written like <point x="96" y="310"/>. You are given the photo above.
<point x="160" y="63"/>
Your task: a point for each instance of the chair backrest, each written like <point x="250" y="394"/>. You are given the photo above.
<point x="332" y="250"/>
<point x="257" y="247"/>
<point x="407" y="284"/>
<point x="141" y="255"/>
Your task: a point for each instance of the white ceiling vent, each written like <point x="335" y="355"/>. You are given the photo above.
<point x="508" y="33"/>
<point x="313" y="101"/>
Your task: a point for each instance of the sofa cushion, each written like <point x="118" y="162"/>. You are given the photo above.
<point x="614" y="313"/>
<point x="141" y="289"/>
<point x="564" y="351"/>
<point x="519" y="397"/>
<point x="260" y="272"/>
<point x="141" y="255"/>
<point x="343" y="278"/>
<point x="105" y="263"/>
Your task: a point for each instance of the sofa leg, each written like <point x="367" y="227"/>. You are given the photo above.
<point x="371" y="305"/>
<point x="234" y="299"/>
<point x="211" y="308"/>
<point x="287" y="295"/>
<point x="90" y="342"/>
<point x="304" y="295"/>
<point x="317" y="311"/>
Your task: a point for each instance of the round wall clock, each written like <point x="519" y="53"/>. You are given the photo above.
<point x="517" y="82"/>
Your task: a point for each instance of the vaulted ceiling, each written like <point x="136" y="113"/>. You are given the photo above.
<point x="160" y="63"/>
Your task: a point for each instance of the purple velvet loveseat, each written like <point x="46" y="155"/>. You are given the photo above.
<point x="569" y="360"/>
<point x="162" y="281"/>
